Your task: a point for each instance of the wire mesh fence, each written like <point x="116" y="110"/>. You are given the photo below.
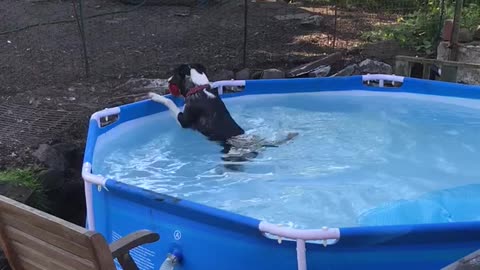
<point x="38" y="44"/>
<point x="49" y="42"/>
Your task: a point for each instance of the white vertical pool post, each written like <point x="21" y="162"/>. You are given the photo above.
<point x="89" y="203"/>
<point x="301" y="255"/>
<point x="89" y="180"/>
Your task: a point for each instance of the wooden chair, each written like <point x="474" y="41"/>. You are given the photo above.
<point x="32" y="239"/>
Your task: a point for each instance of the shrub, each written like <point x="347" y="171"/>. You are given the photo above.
<point x="420" y="29"/>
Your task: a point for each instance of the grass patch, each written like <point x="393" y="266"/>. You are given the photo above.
<point x="20" y="177"/>
<point x="28" y="179"/>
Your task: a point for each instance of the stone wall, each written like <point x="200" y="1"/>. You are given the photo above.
<point x="467" y="53"/>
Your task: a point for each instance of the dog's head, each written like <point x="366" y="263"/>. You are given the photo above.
<point x="185" y="77"/>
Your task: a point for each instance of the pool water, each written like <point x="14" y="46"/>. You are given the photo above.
<point x="360" y="159"/>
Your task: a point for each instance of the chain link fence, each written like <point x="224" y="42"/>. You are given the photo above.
<point x="39" y="44"/>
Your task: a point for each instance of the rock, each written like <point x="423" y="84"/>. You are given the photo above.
<point x="257" y="75"/>
<point x="374" y="67"/>
<point x="51" y="179"/>
<point x="243" y="74"/>
<point x="273" y="74"/>
<point x="387" y="50"/>
<point x="297" y="16"/>
<point x="476" y="34"/>
<point x="307" y="68"/>
<point x="464" y="35"/>
<point x="50" y="157"/>
<point x="223" y="75"/>
<point x="15" y="192"/>
<point x="60" y="156"/>
<point x="315" y="20"/>
<point x="468" y="76"/>
<point x="321" y="71"/>
<point x="72" y="154"/>
<point x="443" y="50"/>
<point x="348" y="71"/>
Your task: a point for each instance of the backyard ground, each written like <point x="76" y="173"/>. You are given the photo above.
<point x="45" y="96"/>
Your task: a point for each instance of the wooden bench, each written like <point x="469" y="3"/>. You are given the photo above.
<point x="32" y="239"/>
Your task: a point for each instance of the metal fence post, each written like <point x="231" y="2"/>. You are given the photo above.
<point x="79" y="17"/>
<point x="456" y="25"/>
<point x="245" y="28"/>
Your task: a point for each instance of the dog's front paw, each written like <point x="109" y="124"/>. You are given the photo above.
<point x="158" y="98"/>
<point x="152" y="95"/>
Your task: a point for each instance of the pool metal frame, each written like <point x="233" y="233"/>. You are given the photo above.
<point x="462" y="231"/>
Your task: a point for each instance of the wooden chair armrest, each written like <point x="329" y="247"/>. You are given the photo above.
<point x="131" y="241"/>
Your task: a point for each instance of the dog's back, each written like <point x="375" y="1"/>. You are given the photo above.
<point x="211" y="117"/>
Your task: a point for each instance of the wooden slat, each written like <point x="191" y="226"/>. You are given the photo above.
<point x="102" y="251"/>
<point x="8" y="249"/>
<point x="27" y="254"/>
<point x="31" y="265"/>
<point x="50" y="252"/>
<point x="48" y="225"/>
<point x="47" y="221"/>
<point x="53" y="239"/>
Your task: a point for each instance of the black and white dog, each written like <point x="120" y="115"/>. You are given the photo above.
<point x="205" y="112"/>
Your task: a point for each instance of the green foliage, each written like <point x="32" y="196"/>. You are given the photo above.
<point x="420" y="29"/>
<point x="26" y="178"/>
<point x="20" y="177"/>
<point x="471" y="16"/>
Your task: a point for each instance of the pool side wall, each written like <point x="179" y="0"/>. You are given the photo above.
<point x="211" y="238"/>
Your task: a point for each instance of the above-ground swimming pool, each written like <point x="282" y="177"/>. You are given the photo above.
<point x="377" y="177"/>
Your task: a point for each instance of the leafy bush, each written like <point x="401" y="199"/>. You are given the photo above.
<point x="421" y="29"/>
<point x="471" y="16"/>
<point x="24" y="178"/>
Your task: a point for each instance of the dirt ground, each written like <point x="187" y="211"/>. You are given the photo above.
<point x="46" y="97"/>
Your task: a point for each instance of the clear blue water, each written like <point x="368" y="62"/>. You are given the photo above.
<point x="359" y="160"/>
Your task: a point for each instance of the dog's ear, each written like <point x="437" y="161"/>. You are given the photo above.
<point x="183" y="70"/>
